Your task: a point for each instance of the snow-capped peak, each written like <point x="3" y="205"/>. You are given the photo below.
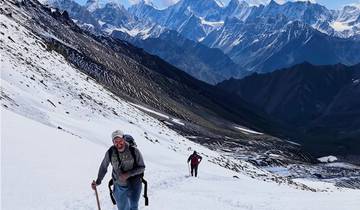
<point x="357" y="5"/>
<point x="278" y="2"/>
<point x="144" y="2"/>
<point x="92" y="5"/>
<point x="237" y="3"/>
<point x="219" y="3"/>
<point x="239" y="9"/>
<point x="348" y="14"/>
<point x="261" y="2"/>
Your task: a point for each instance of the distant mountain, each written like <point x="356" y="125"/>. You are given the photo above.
<point x="204" y="63"/>
<point x="312" y="14"/>
<point x="347" y="21"/>
<point x="264" y="38"/>
<point x="113" y="14"/>
<point x="238" y="9"/>
<point x="322" y="102"/>
<point x="200" y="61"/>
<point x="184" y="16"/>
<point x="211" y="15"/>
<point x="80" y="14"/>
<point x="255" y="38"/>
<point x="261" y="46"/>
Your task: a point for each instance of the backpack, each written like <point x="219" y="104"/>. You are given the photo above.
<point x="132" y="145"/>
<point x="195" y="159"/>
<point x="129" y="139"/>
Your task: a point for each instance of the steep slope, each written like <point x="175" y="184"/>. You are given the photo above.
<point x="208" y="113"/>
<point x="320" y="100"/>
<point x="238" y="9"/>
<point x="313" y="14"/>
<point x="66" y="184"/>
<point x="58" y="122"/>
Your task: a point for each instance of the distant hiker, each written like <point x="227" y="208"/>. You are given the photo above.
<point x="128" y="168"/>
<point x="194" y="160"/>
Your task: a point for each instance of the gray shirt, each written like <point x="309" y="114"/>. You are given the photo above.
<point x="126" y="165"/>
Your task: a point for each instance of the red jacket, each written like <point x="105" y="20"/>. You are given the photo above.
<point x="195" y="159"/>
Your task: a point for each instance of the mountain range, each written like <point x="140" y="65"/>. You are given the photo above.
<point x="215" y="43"/>
<point x="250" y="38"/>
<point x="202" y="110"/>
<point x="264" y="38"/>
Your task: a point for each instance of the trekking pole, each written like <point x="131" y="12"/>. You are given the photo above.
<point x="97" y="198"/>
<point x="189" y="169"/>
<point x="145" y="192"/>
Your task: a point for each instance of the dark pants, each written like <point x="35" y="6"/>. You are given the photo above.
<point x="194" y="168"/>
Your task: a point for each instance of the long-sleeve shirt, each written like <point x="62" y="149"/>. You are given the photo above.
<point x="126" y="165"/>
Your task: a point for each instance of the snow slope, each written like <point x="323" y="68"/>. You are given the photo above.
<point x="55" y="129"/>
<point x="58" y="174"/>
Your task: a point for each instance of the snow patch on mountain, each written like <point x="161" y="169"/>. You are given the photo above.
<point x="151" y="111"/>
<point x="144" y="33"/>
<point x="93" y="5"/>
<point x="247" y="130"/>
<point x="340" y="26"/>
<point x="214" y="24"/>
<point x="328" y="159"/>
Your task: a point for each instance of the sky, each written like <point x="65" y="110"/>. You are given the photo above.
<point x="335" y="4"/>
<point x="331" y="4"/>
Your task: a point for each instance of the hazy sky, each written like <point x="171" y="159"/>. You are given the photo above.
<point x="331" y="4"/>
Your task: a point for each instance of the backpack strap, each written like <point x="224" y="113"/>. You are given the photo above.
<point x="145" y="191"/>
<point x="133" y="154"/>
<point x="111" y="150"/>
<point x="132" y="151"/>
<point x="111" y="183"/>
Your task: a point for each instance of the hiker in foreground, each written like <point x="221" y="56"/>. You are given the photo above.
<point x="128" y="168"/>
<point x="194" y="160"/>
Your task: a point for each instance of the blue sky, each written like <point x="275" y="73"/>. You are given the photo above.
<point x="334" y="4"/>
<point x="331" y="4"/>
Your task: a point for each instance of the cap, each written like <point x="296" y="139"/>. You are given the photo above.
<point x="117" y="133"/>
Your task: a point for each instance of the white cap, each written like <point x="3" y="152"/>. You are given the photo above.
<point x="117" y="133"/>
